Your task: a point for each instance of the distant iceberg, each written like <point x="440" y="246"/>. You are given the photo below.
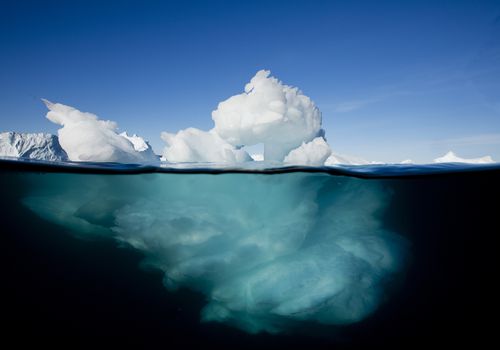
<point x="38" y="146"/>
<point x="258" y="157"/>
<point x="451" y="157"/>
<point x="339" y="159"/>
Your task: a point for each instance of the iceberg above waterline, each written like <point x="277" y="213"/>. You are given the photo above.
<point x="31" y="146"/>
<point x="451" y="157"/>
<point x="281" y="118"/>
<point x="87" y="138"/>
<point x="194" y="145"/>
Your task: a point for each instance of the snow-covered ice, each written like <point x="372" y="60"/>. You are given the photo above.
<point x="279" y="116"/>
<point x="451" y="157"/>
<point x="313" y="153"/>
<point x="31" y="146"/>
<point x="85" y="137"/>
<point x="195" y="145"/>
<point x="268" y="113"/>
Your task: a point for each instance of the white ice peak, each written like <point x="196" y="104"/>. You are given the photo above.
<point x="451" y="157"/>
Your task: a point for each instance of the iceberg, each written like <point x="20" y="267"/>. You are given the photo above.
<point x="140" y="145"/>
<point x="313" y="153"/>
<point x="317" y="255"/>
<point x="87" y="138"/>
<point x="451" y="157"/>
<point x="38" y="146"/>
<point x="279" y="116"/>
<point x="258" y="157"/>
<point x="194" y="145"/>
<point x="338" y="159"/>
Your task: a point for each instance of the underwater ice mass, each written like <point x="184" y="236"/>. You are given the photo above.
<point x="268" y="252"/>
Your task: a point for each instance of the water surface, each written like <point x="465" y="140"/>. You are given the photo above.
<point x="347" y="256"/>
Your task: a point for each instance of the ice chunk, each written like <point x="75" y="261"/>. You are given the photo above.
<point x="32" y="146"/>
<point x="335" y="159"/>
<point x="451" y="157"/>
<point x="269" y="112"/>
<point x="85" y="137"/>
<point x="195" y="145"/>
<point x="258" y="157"/>
<point x="138" y="142"/>
<point x="140" y="145"/>
<point x="313" y="153"/>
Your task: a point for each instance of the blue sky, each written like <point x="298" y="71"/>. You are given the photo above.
<point x="394" y="79"/>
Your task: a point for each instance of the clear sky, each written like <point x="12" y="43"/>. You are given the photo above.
<point x="394" y="79"/>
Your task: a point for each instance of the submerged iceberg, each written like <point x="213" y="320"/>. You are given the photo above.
<point x="31" y="146"/>
<point x="268" y="252"/>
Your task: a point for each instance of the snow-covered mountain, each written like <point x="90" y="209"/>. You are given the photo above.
<point x="32" y="146"/>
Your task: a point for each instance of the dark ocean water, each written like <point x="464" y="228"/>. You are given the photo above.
<point x="64" y="284"/>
